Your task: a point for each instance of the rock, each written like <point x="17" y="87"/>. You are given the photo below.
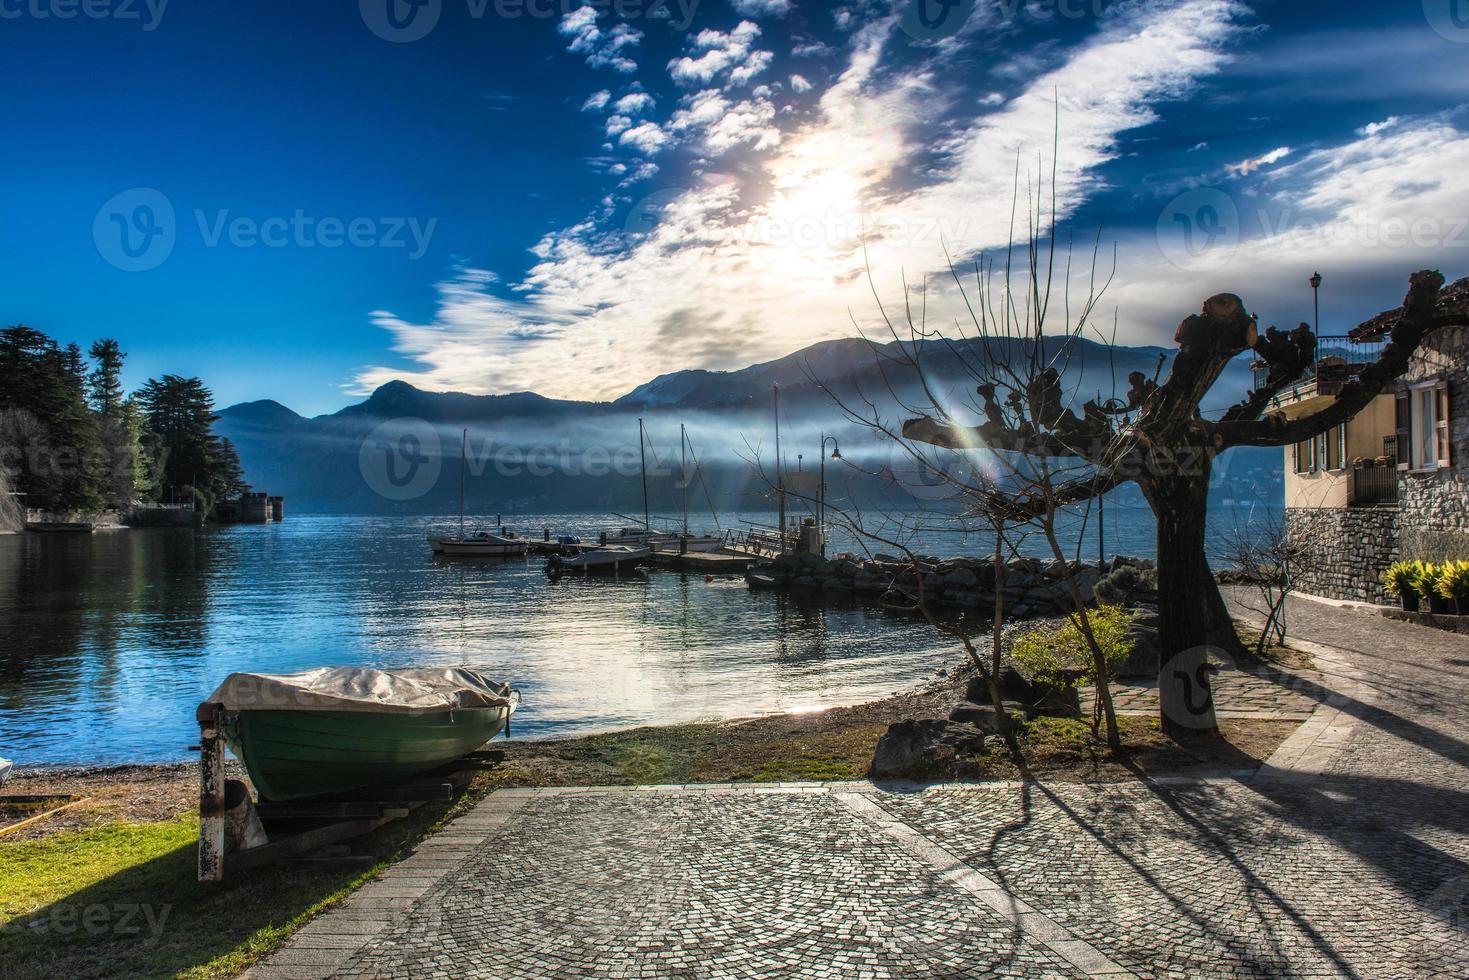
<point x="1056" y="700"/>
<point x="961" y="578"/>
<point x="912" y="749"/>
<point x="968" y="598"/>
<point x="1013" y="687"/>
<point x="1147" y="650"/>
<point x="983" y="716"/>
<point x="835" y="585"/>
<point x="803" y="582"/>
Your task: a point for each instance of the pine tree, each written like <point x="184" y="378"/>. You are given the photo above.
<point x="105" y="382"/>
<point x="191" y="461"/>
<point x="48" y="437"/>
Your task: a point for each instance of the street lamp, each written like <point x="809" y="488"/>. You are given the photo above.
<point x="1316" y="295"/>
<point x="836" y="453"/>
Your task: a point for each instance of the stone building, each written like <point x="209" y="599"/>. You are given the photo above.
<point x="1391" y="483"/>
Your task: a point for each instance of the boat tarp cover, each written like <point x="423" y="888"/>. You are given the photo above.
<point x="5" y="767"/>
<point x="362" y="689"/>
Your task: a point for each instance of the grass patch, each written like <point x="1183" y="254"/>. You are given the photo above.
<point x="121" y="899"/>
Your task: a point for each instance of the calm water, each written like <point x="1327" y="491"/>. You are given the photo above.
<point x="109" y="641"/>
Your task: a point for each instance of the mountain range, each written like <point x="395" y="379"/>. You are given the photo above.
<point x="399" y="450"/>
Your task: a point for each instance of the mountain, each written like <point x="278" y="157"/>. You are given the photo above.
<point x="398" y="451"/>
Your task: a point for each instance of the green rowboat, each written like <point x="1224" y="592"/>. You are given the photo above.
<point x="334" y="730"/>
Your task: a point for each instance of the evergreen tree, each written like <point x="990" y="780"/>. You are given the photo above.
<point x="105" y="381"/>
<point x="48" y="437"/>
<point x="191" y="461"/>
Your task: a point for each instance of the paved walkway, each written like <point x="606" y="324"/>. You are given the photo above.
<point x="1347" y="855"/>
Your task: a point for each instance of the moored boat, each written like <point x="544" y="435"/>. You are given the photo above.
<point x="6" y="767"/>
<point x="336" y="729"/>
<point x="611" y="560"/>
<point x="481" y="545"/>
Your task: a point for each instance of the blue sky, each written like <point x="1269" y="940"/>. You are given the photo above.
<point x="301" y="201"/>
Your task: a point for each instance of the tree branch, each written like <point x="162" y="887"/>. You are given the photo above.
<point x="1422" y="312"/>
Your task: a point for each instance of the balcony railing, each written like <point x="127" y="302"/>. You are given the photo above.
<point x="1337" y="360"/>
<point x="1373" y="484"/>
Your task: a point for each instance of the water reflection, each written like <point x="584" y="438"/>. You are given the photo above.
<point x="108" y="641"/>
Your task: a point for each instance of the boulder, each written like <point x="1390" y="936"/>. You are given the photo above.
<point x="1013" y="687"/>
<point x="961" y="578"/>
<point x="804" y="582"/>
<point x="1147" y="650"/>
<point x="983" y="715"/>
<point x="911" y="748"/>
<point x="1056" y="700"/>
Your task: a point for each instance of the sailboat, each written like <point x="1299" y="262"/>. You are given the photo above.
<point x="682" y="540"/>
<point x="480" y="544"/>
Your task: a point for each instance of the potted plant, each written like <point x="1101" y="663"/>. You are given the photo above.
<point x="1426" y="583"/>
<point x="1453" y="585"/>
<point x="1400" y="580"/>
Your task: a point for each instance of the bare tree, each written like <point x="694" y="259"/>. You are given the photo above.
<point x="1163" y="443"/>
<point x="1013" y="358"/>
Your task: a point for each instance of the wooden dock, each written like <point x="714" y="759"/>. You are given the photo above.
<point x="706" y="562"/>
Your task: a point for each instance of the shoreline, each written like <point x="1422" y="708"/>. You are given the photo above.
<point x="835" y="743"/>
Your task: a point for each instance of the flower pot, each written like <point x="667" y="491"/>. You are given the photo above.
<point x="1438" y="605"/>
<point x="1410" y="600"/>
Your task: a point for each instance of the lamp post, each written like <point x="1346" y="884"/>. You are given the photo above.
<point x="836" y="453"/>
<point x="1316" y="296"/>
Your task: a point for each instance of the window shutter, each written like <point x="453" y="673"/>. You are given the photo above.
<point x="1441" y="424"/>
<point x="1405" y="434"/>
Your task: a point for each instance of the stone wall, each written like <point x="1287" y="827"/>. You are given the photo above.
<point x="1435" y="505"/>
<point x="1346" y="550"/>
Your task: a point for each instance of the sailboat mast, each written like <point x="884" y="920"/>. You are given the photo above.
<point x="780" y="485"/>
<point x="463" y="451"/>
<point x="643" y="460"/>
<point x="683" y="444"/>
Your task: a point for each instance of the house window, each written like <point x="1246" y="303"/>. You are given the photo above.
<point x="1303" y="455"/>
<point x="1423" y="427"/>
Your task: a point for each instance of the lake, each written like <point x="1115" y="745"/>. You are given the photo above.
<point x="109" y="641"/>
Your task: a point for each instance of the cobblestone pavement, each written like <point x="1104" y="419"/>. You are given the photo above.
<point x="1346" y="855"/>
<point x="1275" y="695"/>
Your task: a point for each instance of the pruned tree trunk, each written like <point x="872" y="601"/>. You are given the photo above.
<point x="1193" y="616"/>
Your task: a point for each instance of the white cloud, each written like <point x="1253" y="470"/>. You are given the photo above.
<point x="617" y="124"/>
<point x="733" y="53"/>
<point x="1366" y="213"/>
<point x="633" y="104"/>
<point x="719" y="125"/>
<point x="603" y="49"/>
<point x="1246" y="167"/>
<point x="596" y="101"/>
<point x="646" y="138"/>
<point x="762" y="8"/>
<point x="754" y="264"/>
<point x="799" y="84"/>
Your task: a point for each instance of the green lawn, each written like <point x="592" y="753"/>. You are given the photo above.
<point x="122" y="899"/>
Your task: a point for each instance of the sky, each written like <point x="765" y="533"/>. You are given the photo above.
<point x="304" y="201"/>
